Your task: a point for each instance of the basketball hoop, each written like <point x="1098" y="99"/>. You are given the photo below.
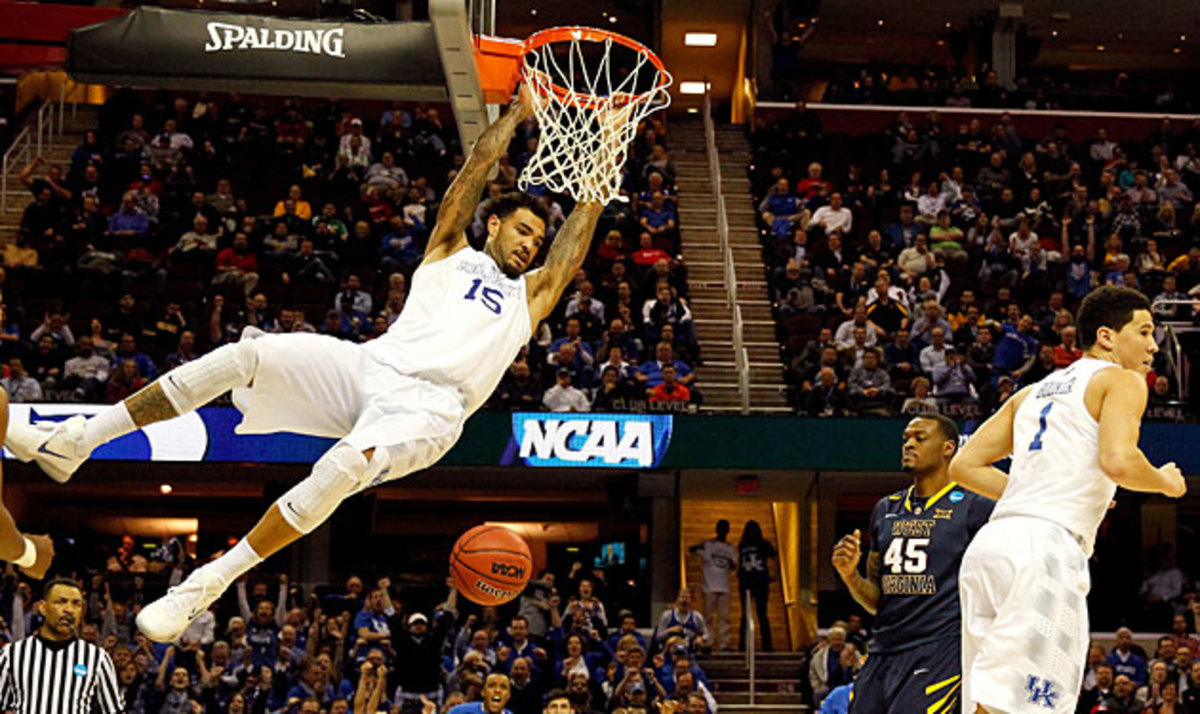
<point x="588" y="104"/>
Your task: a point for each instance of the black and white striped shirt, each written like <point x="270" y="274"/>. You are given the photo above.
<point x="38" y="676"/>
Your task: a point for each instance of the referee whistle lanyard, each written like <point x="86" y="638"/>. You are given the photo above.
<point x="918" y="510"/>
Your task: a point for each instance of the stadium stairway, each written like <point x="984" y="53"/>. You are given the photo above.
<point x="777" y="688"/>
<point x="57" y="151"/>
<point x="701" y="249"/>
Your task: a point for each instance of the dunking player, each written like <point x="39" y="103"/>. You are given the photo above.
<point x="1073" y="438"/>
<point x="918" y="537"/>
<point x="396" y="404"/>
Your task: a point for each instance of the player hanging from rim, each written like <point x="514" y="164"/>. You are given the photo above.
<point x="1073" y="438"/>
<point x="396" y="404"/>
<point x="918" y="537"/>
<point x="31" y="553"/>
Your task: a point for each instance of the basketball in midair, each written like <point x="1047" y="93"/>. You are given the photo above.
<point x="490" y="565"/>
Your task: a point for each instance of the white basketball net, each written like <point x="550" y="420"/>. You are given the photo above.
<point x="586" y="130"/>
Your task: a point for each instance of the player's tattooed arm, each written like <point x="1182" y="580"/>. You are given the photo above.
<point x="149" y="405"/>
<point x="563" y="261"/>
<point x="462" y="198"/>
<point x="864" y="590"/>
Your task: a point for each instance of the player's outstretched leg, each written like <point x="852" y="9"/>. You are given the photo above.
<point x="339" y="473"/>
<point x="59" y="448"/>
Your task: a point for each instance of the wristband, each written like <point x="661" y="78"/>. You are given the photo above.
<point x="29" y="557"/>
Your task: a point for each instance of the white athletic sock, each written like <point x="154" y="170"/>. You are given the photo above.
<point x="236" y="562"/>
<point x="109" y="424"/>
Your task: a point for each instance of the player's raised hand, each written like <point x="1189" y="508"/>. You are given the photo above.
<point x="847" y="553"/>
<point x="524" y="103"/>
<point x="1175" y="485"/>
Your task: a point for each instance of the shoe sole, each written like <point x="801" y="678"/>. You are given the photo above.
<point x="159" y="637"/>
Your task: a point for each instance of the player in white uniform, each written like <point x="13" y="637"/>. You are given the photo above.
<point x="1073" y="438"/>
<point x="396" y="404"/>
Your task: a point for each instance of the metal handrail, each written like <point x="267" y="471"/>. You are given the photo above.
<point x="740" y="356"/>
<point x="750" y="639"/>
<point x="1176" y="359"/>
<point x="44" y="126"/>
<point x="17" y="154"/>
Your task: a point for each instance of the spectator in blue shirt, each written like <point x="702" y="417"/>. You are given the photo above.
<point x="658" y="220"/>
<point x="516" y="644"/>
<point x="838" y="701"/>
<point x="1125" y="660"/>
<point x="371" y="623"/>
<point x="309" y="686"/>
<point x="903" y="234"/>
<point x="1017" y="349"/>
<point x="127" y="349"/>
<point x="130" y="221"/>
<point x="627" y="626"/>
<point x="400" y="249"/>
<point x="496" y="692"/>
<point x="780" y="208"/>
<point x="650" y="373"/>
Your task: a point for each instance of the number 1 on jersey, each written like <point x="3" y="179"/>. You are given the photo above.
<point x="1036" y="444"/>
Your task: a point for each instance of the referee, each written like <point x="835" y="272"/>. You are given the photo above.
<point x="55" y="672"/>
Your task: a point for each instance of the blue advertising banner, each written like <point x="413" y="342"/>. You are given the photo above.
<point x="630" y="441"/>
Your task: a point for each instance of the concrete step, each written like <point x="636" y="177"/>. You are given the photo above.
<point x="757" y="351"/>
<point x="760" y="372"/>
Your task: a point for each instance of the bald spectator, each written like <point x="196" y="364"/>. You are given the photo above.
<point x="934" y="354"/>
<point x="827" y="398"/>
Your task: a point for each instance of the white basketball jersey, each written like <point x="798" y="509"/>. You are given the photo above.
<point x="1055" y="472"/>
<point x="462" y="326"/>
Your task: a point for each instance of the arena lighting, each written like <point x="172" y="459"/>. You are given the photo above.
<point x="165" y="489"/>
<point x="692" y="87"/>
<point x="693" y="110"/>
<point x="701" y="39"/>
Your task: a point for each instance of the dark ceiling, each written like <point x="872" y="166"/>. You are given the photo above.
<point x="521" y="18"/>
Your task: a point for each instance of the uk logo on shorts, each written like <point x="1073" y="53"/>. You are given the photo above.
<point x="1041" y="691"/>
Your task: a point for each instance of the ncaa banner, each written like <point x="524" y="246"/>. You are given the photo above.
<point x="179" y="49"/>
<point x="631" y="441"/>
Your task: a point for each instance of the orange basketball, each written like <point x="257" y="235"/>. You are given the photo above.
<point x="490" y="565"/>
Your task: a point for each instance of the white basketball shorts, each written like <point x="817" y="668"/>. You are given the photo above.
<point x="1023" y="584"/>
<point x="322" y="386"/>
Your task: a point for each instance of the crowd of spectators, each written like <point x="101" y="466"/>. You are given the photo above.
<point x="181" y="221"/>
<point x="942" y="273"/>
<point x="1122" y="678"/>
<point x="953" y="83"/>
<point x="272" y="646"/>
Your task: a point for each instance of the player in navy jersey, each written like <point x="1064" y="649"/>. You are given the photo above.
<point x="918" y="537"/>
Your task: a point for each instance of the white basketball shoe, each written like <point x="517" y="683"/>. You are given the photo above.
<point x="55" y="446"/>
<point x="165" y="619"/>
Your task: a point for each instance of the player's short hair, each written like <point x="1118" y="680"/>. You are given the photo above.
<point x="506" y="204"/>
<point x="56" y="582"/>
<point x="945" y="425"/>
<point x="1107" y="306"/>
